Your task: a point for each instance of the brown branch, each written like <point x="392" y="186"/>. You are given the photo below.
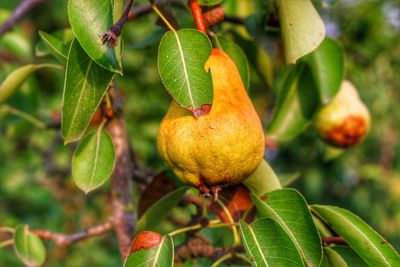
<point x="121" y="178"/>
<point x="109" y="38"/>
<point x="146" y="8"/>
<point x="333" y="240"/>
<point x="24" y="7"/>
<point x="64" y="240"/>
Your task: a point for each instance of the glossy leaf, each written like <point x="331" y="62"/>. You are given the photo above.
<point x="29" y="247"/>
<point x="210" y="2"/>
<point x="332" y="259"/>
<point x="288" y="208"/>
<point x="262" y="180"/>
<point x="85" y="85"/>
<point x="327" y="67"/>
<point x="161" y="255"/>
<point x="56" y="46"/>
<point x="159" y="210"/>
<point x="237" y="55"/>
<point x="65" y="36"/>
<point x="302" y="28"/>
<point x="93" y="161"/>
<point x="367" y="243"/>
<point x="181" y="59"/>
<point x="297" y="102"/>
<point x="89" y="20"/>
<point x="267" y="244"/>
<point x="352" y="259"/>
<point x="257" y="57"/>
<point x="16" y="78"/>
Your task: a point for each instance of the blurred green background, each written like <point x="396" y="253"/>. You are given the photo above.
<point x="35" y="182"/>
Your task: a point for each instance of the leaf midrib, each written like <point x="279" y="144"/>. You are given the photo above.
<point x="158" y="252"/>
<point x="258" y="246"/>
<point x="359" y="231"/>
<point x="288" y="231"/>
<point x="96" y="157"/>
<point x="184" y="68"/>
<point x="80" y="97"/>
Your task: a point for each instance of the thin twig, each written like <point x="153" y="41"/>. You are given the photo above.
<point x="24" y="7"/>
<point x="146" y="8"/>
<point x="7" y="230"/>
<point x="236" y="236"/>
<point x="234" y="19"/>
<point x="109" y="38"/>
<point x="23" y="115"/>
<point x="222" y="259"/>
<point x="64" y="240"/>
<point x="6" y="243"/>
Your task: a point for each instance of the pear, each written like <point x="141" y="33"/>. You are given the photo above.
<point x="222" y="147"/>
<point x="345" y="121"/>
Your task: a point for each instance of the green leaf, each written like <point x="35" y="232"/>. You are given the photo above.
<point x="257" y="57"/>
<point x="16" y="78"/>
<point x="267" y="244"/>
<point x="29" y="247"/>
<point x="89" y="20"/>
<point x="210" y="2"/>
<point x="352" y="259"/>
<point x="367" y="243"/>
<point x="332" y="259"/>
<point x="93" y="161"/>
<point x="18" y="43"/>
<point x="288" y="208"/>
<point x="159" y="210"/>
<point x="287" y="179"/>
<point x="240" y="59"/>
<point x="302" y="28"/>
<point x="181" y="59"/>
<point x="56" y="46"/>
<point x="65" y="36"/>
<point x="297" y="102"/>
<point x="327" y="67"/>
<point x="161" y="255"/>
<point x="262" y="180"/>
<point x="85" y="85"/>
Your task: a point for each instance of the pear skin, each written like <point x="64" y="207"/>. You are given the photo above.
<point x="345" y="121"/>
<point x="222" y="147"/>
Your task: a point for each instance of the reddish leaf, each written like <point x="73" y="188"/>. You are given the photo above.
<point x="236" y="199"/>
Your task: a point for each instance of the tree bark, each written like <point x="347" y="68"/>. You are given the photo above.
<point x="122" y="185"/>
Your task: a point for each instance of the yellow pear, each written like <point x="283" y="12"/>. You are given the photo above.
<point x="345" y="121"/>
<point x="222" y="147"/>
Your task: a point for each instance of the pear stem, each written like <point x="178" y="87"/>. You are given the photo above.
<point x="235" y="232"/>
<point x="164" y="19"/>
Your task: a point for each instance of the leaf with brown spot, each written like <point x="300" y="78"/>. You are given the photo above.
<point x="236" y="199"/>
